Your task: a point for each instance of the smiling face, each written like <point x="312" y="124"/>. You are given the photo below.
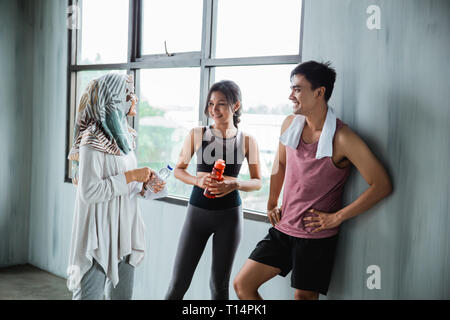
<point x="302" y="96"/>
<point x="218" y="108"/>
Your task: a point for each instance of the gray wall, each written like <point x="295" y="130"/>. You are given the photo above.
<point x="51" y="200"/>
<point x="391" y="89"/>
<point x="15" y="133"/>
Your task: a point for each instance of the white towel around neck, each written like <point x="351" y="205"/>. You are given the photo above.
<point x="291" y="137"/>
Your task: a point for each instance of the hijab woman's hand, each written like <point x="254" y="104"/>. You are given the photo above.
<point x="140" y="175"/>
<point x="157" y="187"/>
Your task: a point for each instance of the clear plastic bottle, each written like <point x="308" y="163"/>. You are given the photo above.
<point x="161" y="176"/>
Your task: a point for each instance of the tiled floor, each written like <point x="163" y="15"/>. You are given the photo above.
<point x="26" y="282"/>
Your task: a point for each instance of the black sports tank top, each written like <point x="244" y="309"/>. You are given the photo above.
<point x="213" y="148"/>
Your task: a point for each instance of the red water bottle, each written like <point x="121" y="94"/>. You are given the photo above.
<point x="217" y="174"/>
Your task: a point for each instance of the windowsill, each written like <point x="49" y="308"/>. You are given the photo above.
<point x="248" y="214"/>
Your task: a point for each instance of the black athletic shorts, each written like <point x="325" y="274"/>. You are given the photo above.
<point x="311" y="260"/>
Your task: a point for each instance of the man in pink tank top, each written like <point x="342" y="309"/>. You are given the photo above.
<point x="315" y="155"/>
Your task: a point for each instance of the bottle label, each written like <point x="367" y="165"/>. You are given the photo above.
<point x="216" y="173"/>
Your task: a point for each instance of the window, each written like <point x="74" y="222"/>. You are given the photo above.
<point x="257" y="28"/>
<point x="176" y="22"/>
<point x="104" y="31"/>
<point x="264" y="107"/>
<point x="176" y="50"/>
<point x="167" y="111"/>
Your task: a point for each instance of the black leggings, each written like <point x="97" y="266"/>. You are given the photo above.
<point x="200" y="224"/>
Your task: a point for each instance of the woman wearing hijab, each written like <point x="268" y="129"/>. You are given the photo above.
<point x="108" y="232"/>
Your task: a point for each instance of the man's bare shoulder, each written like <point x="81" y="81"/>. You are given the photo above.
<point x="347" y="139"/>
<point x="287" y="122"/>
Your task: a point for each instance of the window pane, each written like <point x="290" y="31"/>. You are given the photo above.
<point x="258" y="28"/>
<point x="83" y="79"/>
<point x="168" y="110"/>
<point x="265" y="105"/>
<point x="104" y="31"/>
<point x="178" y="22"/>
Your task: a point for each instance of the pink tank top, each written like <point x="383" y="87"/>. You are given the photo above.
<point x="310" y="183"/>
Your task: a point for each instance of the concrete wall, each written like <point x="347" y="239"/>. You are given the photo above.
<point x="391" y="89"/>
<point x="15" y="132"/>
<point x="51" y="200"/>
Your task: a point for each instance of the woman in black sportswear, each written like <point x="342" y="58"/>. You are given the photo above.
<point x="221" y="216"/>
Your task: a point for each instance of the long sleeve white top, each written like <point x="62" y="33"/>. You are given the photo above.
<point x="107" y="223"/>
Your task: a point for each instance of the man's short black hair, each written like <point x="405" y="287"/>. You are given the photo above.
<point x="318" y="74"/>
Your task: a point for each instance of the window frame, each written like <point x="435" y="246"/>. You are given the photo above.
<point x="135" y="62"/>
